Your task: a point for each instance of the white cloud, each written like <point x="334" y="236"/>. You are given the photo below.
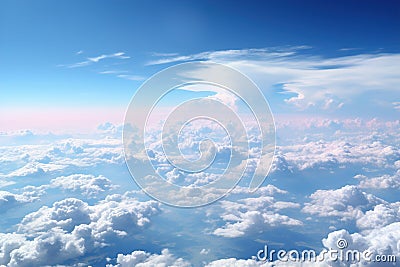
<point x="254" y="215"/>
<point x="71" y="228"/>
<point x="9" y="200"/>
<point x="381" y="215"/>
<point x="396" y="105"/>
<point x="71" y="155"/>
<point x="265" y="53"/>
<point x="89" y="185"/>
<point x="145" y="259"/>
<point x="8" y="243"/>
<point x="96" y="59"/>
<point x="346" y="203"/>
<point x="268" y="190"/>
<point x="311" y="81"/>
<point x="325" y="154"/>
<point x="380" y="241"/>
<point x="65" y="214"/>
<point x="383" y="182"/>
<point x="131" y="77"/>
<point x="52" y="247"/>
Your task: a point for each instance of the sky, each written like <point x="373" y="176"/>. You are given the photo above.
<point x="69" y="70"/>
<point x="42" y="43"/>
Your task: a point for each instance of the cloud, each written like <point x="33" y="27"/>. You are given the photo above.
<point x="326" y="154"/>
<point x="115" y="214"/>
<point x="145" y="259"/>
<point x="310" y="81"/>
<point x="71" y="229"/>
<point x="96" y="59"/>
<point x="74" y="230"/>
<point x="379" y="241"/>
<point x="380" y="216"/>
<point x="120" y="55"/>
<point x="8" y="243"/>
<point x="90" y="186"/>
<point x="123" y="74"/>
<point x="131" y="77"/>
<point x="268" y="190"/>
<point x="383" y="182"/>
<point x="9" y="200"/>
<point x="254" y="215"/>
<point x="113" y="72"/>
<point x="265" y="53"/>
<point x="346" y="203"/>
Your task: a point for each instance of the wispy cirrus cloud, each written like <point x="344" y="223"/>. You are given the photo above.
<point x="96" y="59"/>
<point x="131" y="77"/>
<point x="306" y="81"/>
<point x="231" y="54"/>
<point x="123" y="74"/>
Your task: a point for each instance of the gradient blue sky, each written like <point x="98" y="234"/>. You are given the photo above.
<point x="41" y="40"/>
<point x="329" y="69"/>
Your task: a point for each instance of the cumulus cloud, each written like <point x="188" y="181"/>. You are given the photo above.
<point x="333" y="154"/>
<point x="346" y="203"/>
<point x="382" y="182"/>
<point x="9" y="200"/>
<point x="254" y="215"/>
<point x="72" y="228"/>
<point x="89" y="185"/>
<point x="381" y="215"/>
<point x="59" y="157"/>
<point x="379" y="241"/>
<point x="145" y="259"/>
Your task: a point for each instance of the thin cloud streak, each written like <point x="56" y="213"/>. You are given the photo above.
<point x="91" y="60"/>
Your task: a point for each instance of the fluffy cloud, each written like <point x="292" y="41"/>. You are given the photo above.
<point x="52" y="247"/>
<point x="251" y="215"/>
<point x="145" y="259"/>
<point x="62" y="156"/>
<point x="71" y="228"/>
<point x="381" y="215"/>
<point x="380" y="241"/>
<point x="348" y="202"/>
<point x="8" y="243"/>
<point x="383" y="182"/>
<point x="9" y="200"/>
<point x="332" y="154"/>
<point x="90" y="186"/>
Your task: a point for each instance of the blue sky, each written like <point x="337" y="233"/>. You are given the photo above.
<point x="37" y="38"/>
<point x="68" y="70"/>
